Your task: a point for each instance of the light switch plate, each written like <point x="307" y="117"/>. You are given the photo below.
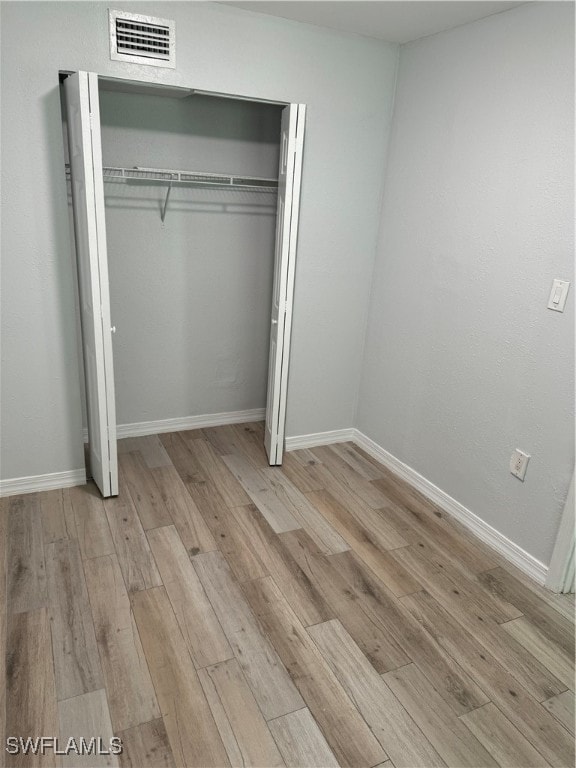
<point x="558" y="295"/>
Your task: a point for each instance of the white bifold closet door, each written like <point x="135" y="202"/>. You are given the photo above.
<point x="83" y="116"/>
<point x="289" y="177"/>
<point x="90" y="232"/>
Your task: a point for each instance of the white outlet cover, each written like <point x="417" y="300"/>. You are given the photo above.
<point x="518" y="463"/>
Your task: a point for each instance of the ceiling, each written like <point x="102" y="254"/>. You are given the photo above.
<point x="397" y="21"/>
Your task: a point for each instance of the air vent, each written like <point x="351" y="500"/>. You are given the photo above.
<point x="142" y="39"/>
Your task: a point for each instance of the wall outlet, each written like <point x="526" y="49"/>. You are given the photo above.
<point x="518" y="463"/>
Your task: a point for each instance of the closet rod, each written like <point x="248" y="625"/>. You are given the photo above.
<point x="200" y="178"/>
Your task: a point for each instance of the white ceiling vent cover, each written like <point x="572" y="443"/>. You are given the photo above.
<point x="142" y="39"/>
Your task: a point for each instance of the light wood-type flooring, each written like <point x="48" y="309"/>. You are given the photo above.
<point x="221" y="612"/>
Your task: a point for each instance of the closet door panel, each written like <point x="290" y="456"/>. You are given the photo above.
<point x="90" y="235"/>
<point x="291" y="144"/>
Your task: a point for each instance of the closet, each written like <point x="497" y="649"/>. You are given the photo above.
<point x="185" y="224"/>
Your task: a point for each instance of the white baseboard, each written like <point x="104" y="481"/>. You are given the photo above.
<point x="319" y="438"/>
<point x="143" y="428"/>
<point x="507" y="548"/>
<point x="485" y="532"/>
<point x="36" y="483"/>
<point x="56" y="480"/>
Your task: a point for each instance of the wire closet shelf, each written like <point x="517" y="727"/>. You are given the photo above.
<point x="257" y="183"/>
<point x="194" y="178"/>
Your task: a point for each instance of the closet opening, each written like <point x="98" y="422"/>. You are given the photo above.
<point x="185" y="209"/>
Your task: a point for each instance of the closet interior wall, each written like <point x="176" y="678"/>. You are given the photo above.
<point x="190" y="296"/>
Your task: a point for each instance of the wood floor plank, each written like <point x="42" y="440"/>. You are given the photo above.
<point x="128" y="445"/>
<point x="231" y="539"/>
<point x="150" y="447"/>
<point x="306" y="601"/>
<point x="134" y="556"/>
<point x="366" y="469"/>
<point x="200" y="628"/>
<point x="324" y="534"/>
<point x="530" y="718"/>
<point x="542" y="649"/>
<point x="26" y="572"/>
<point x="366" y="543"/>
<point x="346" y="732"/>
<point x="92" y="529"/>
<point x="131" y="695"/>
<point x="270" y="682"/>
<point x="479" y="641"/>
<point x="301" y="742"/>
<point x="383" y="652"/>
<point x="380" y="531"/>
<point x="544" y="616"/>
<point x="192" y="732"/>
<point x="185" y="463"/>
<point x="225" y="440"/>
<point x="270" y="500"/>
<point x="456" y="687"/>
<point x="562" y="707"/>
<point x="240" y="440"/>
<point x="469" y="612"/>
<point x="436" y="573"/>
<point x="480" y="556"/>
<point x="57" y="515"/>
<point x="434" y="523"/>
<point x="30" y="689"/>
<point x="216" y="471"/>
<point x="506" y="744"/>
<point x="304" y="456"/>
<point x="257" y="428"/>
<point x="399" y="490"/>
<point x="144" y="491"/>
<point x="190" y="524"/>
<point x="222" y="723"/>
<point x="301" y="472"/>
<point x="562" y="604"/>
<point x="86" y="716"/>
<point x="146" y="746"/>
<point x="248" y="740"/>
<point x="450" y="738"/>
<point x="4" y="506"/>
<point x="251" y="436"/>
<point x="441" y="552"/>
<point x="353" y="480"/>
<point x="193" y="434"/>
<point x="396" y="731"/>
<point x="76" y="659"/>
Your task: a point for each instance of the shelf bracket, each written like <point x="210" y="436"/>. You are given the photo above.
<point x="163" y="213"/>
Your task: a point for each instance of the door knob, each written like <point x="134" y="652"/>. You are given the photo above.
<point x="274" y="322"/>
<point x="113" y="329"/>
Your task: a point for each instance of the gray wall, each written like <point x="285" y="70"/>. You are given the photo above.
<point x="346" y="81"/>
<point x="190" y="298"/>
<point x="463" y="362"/>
